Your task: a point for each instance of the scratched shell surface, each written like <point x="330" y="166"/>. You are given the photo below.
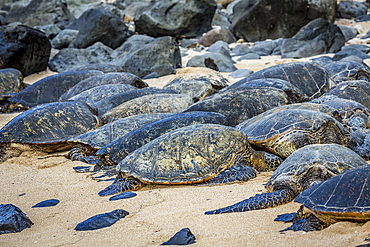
<point x="345" y="193"/>
<point x="190" y="154"/>
<point x="49" y="123"/>
<point x="156" y="103"/>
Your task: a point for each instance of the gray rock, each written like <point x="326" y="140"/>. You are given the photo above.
<point x="249" y="56"/>
<point x="12" y="219"/>
<point x="241" y="49"/>
<point x="220" y="47"/>
<point x="240" y="73"/>
<point x="99" y="25"/>
<point x="24" y="48"/>
<point x="69" y="58"/>
<point x="161" y="55"/>
<point x="361" y="47"/>
<point x="190" y="18"/>
<point x="220" y="19"/>
<point x="222" y="62"/>
<point x="351" y="9"/>
<point x="50" y="30"/>
<point x="350" y="52"/>
<point x="64" y="38"/>
<point x="40" y="12"/>
<point x="255" y="20"/>
<point x="132" y="44"/>
<point x="348" y="32"/>
<point x="317" y="37"/>
<point x="263" y="48"/>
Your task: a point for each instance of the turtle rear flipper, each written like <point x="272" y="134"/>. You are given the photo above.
<point x="122" y="185"/>
<point x="265" y="200"/>
<point x="235" y="173"/>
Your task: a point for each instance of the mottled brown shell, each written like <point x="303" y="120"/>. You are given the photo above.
<point x="191" y="154"/>
<point x="11" y="81"/>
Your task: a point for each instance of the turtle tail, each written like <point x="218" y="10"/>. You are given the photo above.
<point x="260" y="201"/>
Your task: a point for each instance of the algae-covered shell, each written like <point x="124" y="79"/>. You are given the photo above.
<point x="285" y="131"/>
<point x="191" y="154"/>
<point x="103" y="79"/>
<point x="98" y="93"/>
<point x="11" y="81"/>
<point x="49" y="89"/>
<point x="50" y="125"/>
<point x="131" y="141"/>
<point x="239" y="105"/>
<point x="157" y="103"/>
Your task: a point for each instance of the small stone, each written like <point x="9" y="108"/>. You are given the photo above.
<point x="183" y="237"/>
<point x="46" y="203"/>
<point x="101" y="220"/>
<point x="123" y="195"/>
<point x="12" y="219"/>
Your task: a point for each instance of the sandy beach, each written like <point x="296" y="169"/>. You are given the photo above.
<point x="157" y="212"/>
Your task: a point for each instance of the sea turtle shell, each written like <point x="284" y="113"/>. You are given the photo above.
<point x="192" y="154"/>
<point x="345" y="196"/>
<point x="357" y="90"/>
<point x="347" y="108"/>
<point x="110" y="102"/>
<point x="119" y="149"/>
<point x="11" y="81"/>
<point x="50" y="89"/>
<point x="345" y="70"/>
<point x="197" y="86"/>
<point x="311" y="78"/>
<point x="312" y="163"/>
<point x="105" y="68"/>
<point x="49" y="126"/>
<point x="156" y="103"/>
<point x="103" y="79"/>
<point x="241" y="104"/>
<point x="294" y="94"/>
<point x="285" y="131"/>
<point x="111" y="132"/>
<point x="304" y="106"/>
<point x="98" y="93"/>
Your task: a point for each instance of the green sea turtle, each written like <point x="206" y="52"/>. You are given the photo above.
<point x="155" y="103"/>
<point x="357" y="90"/>
<point x="285" y="131"/>
<point x="110" y="102"/>
<point x="311" y="78"/>
<point x="298" y="172"/>
<point x="198" y="86"/>
<point x="105" y="68"/>
<point x="98" y="93"/>
<point x="241" y="104"/>
<point x="133" y="140"/>
<point x="188" y="155"/>
<point x="88" y="143"/>
<point x="345" y="70"/>
<point x="11" y="81"/>
<point x="294" y="94"/>
<point x="46" y="127"/>
<point x="344" y="197"/>
<point x="49" y="89"/>
<point x="103" y="79"/>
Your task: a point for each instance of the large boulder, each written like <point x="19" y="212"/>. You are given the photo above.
<point x="99" y="25"/>
<point x="161" y="55"/>
<point x="24" y="48"/>
<point x="190" y="18"/>
<point x="351" y="9"/>
<point x="40" y="12"/>
<point x="317" y="37"/>
<point x="255" y="20"/>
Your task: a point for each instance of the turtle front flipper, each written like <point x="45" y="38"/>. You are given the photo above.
<point x="79" y="154"/>
<point x="305" y="222"/>
<point x="264" y="161"/>
<point x="7" y="152"/>
<point x="235" y="173"/>
<point x="122" y="185"/>
<point x="265" y="200"/>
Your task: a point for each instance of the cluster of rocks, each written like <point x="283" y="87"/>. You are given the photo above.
<point x="143" y="38"/>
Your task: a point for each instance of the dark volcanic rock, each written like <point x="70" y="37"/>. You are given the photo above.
<point x="46" y="203"/>
<point x="216" y="61"/>
<point x="215" y="35"/>
<point x="190" y="18"/>
<point x="161" y="55"/>
<point x="351" y="9"/>
<point x="64" y="38"/>
<point x="317" y="37"/>
<point x="24" y="48"/>
<point x="100" y="25"/>
<point x="101" y="220"/>
<point x="40" y="12"/>
<point x="183" y="237"/>
<point x="271" y="19"/>
<point x="12" y="219"/>
<point x="350" y="52"/>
